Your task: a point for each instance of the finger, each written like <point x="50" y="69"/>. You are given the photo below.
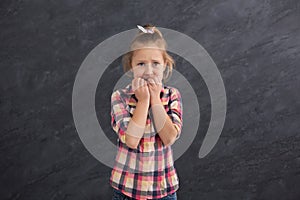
<point x="136" y="83"/>
<point x="143" y="82"/>
<point x="133" y="83"/>
<point x="151" y="81"/>
<point x="140" y="83"/>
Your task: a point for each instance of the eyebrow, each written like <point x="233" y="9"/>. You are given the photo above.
<point x="155" y="60"/>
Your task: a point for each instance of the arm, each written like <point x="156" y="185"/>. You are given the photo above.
<point x="121" y="119"/>
<point x="168" y="124"/>
<point x="168" y="132"/>
<point x="130" y="129"/>
<point x="139" y="117"/>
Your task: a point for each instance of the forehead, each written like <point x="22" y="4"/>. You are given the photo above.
<point x="147" y="54"/>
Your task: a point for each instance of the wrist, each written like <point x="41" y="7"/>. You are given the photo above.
<point x="144" y="102"/>
<point x="155" y="101"/>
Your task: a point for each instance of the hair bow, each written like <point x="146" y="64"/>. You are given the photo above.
<point x="146" y="30"/>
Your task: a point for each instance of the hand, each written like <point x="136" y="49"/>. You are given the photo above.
<point x="140" y="88"/>
<point x="155" y="86"/>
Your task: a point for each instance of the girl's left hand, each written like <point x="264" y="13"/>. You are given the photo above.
<point x="155" y="86"/>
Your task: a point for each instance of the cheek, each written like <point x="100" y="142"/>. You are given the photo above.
<point x="159" y="73"/>
<point x="138" y="73"/>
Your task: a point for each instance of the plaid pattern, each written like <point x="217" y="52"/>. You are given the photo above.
<point x="146" y="172"/>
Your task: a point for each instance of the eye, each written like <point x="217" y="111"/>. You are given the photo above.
<point x="156" y="64"/>
<point x="141" y="64"/>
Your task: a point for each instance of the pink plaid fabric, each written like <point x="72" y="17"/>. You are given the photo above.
<point x="146" y="172"/>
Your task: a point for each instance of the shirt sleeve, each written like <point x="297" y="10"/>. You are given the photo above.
<point x="176" y="110"/>
<point x="120" y="115"/>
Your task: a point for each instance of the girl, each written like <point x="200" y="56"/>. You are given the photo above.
<point x="147" y="116"/>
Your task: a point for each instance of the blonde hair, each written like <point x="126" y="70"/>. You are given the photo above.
<point x="155" y="38"/>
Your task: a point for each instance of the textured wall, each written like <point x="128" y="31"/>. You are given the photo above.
<point x="254" y="43"/>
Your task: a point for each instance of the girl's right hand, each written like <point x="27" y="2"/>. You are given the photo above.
<point x="140" y="89"/>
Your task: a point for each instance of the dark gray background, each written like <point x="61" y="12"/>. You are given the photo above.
<point x="254" y="43"/>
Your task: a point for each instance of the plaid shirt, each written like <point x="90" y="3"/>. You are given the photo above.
<point x="146" y="172"/>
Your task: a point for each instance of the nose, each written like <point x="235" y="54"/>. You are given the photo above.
<point x="148" y="70"/>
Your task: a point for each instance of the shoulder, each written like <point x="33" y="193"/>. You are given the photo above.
<point x="123" y="93"/>
<point x="172" y="91"/>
